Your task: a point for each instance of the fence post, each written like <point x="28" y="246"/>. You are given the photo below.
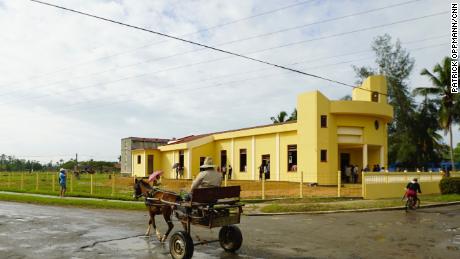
<point x="113" y="184"/>
<point x="36" y="181"/>
<point x="339" y="182"/>
<point x="53" y="180"/>
<point x="301" y="184"/>
<point x="263" y="186"/>
<point x="22" y="181"/>
<point x="363" y="184"/>
<point x="71" y="183"/>
<point x="91" y="190"/>
<point x="9" y="180"/>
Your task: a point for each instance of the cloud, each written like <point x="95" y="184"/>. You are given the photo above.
<point x="104" y="81"/>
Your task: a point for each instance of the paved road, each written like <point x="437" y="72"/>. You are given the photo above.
<point x="31" y="231"/>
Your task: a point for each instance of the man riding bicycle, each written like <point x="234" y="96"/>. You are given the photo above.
<point x="412" y="188"/>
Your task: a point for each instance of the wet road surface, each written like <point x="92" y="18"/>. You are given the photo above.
<point x="32" y="231"/>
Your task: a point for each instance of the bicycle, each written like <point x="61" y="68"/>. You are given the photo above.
<point x="412" y="203"/>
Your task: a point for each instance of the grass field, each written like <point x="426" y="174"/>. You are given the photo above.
<point x="303" y="205"/>
<point x="273" y="206"/>
<point x="83" y="203"/>
<point x="103" y="185"/>
<point x="120" y="187"/>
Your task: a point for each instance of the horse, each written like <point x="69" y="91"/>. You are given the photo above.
<point x="155" y="206"/>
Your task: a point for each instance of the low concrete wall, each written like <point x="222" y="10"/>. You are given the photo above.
<point x="393" y="185"/>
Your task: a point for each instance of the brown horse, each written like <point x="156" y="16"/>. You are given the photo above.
<point x="153" y="201"/>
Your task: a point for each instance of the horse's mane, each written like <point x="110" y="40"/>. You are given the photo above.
<point x="155" y="189"/>
<point x="146" y="185"/>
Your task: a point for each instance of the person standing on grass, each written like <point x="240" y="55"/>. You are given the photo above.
<point x="62" y="181"/>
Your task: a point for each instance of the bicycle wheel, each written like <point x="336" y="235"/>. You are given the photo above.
<point x="408" y="203"/>
<point x="417" y="203"/>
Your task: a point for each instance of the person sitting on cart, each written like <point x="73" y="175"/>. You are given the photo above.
<point x="208" y="177"/>
<point x="412" y="188"/>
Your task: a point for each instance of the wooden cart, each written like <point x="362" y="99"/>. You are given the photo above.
<point x="210" y="208"/>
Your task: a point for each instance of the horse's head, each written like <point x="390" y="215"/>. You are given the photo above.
<point x="141" y="188"/>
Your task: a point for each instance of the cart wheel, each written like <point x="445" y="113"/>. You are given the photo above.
<point x="181" y="245"/>
<point x="230" y="238"/>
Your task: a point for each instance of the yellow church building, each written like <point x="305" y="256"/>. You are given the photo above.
<point x="326" y="136"/>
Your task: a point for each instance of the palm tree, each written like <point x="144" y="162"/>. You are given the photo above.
<point x="281" y="117"/>
<point x="441" y="88"/>
<point x="293" y="116"/>
<point x="346" y="98"/>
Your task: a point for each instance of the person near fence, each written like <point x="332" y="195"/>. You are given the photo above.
<point x="63" y="181"/>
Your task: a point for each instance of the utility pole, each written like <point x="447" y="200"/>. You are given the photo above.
<point x="76" y="162"/>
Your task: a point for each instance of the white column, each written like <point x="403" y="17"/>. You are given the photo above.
<point x="173" y="176"/>
<point x="233" y="154"/>
<point x="253" y="157"/>
<point x="132" y="165"/>
<point x="382" y="157"/>
<point x="189" y="171"/>
<point x="365" y="156"/>
<point x="144" y="160"/>
<point x="278" y="156"/>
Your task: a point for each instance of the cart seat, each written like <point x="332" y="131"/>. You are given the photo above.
<point x="216" y="195"/>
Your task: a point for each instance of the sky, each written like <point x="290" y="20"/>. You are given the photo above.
<point x="74" y="84"/>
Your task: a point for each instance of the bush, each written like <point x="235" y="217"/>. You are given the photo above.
<point x="450" y="185"/>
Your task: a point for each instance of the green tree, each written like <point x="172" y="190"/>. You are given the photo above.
<point x="428" y="143"/>
<point x="346" y="98"/>
<point x="293" y="116"/>
<point x="396" y="64"/>
<point x="280" y="118"/>
<point x="457" y="153"/>
<point x="283" y="117"/>
<point x="448" y="101"/>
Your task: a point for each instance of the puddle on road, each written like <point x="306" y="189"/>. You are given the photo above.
<point x="142" y="247"/>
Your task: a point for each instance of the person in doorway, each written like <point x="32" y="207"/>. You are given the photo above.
<point x="181" y="171"/>
<point x="177" y="167"/>
<point x="261" y="170"/>
<point x="355" y="174"/>
<point x="224" y="171"/>
<point x="267" y="170"/>
<point x="348" y="173"/>
<point x="63" y="181"/>
<point x="230" y="169"/>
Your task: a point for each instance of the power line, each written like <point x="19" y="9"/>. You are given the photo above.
<point x="245" y="39"/>
<point x="170" y="69"/>
<point x="197" y="44"/>
<point x="225" y="83"/>
<point x="246" y="79"/>
<point x="159" y="42"/>
<point x="257" y="51"/>
<point x="213" y="86"/>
